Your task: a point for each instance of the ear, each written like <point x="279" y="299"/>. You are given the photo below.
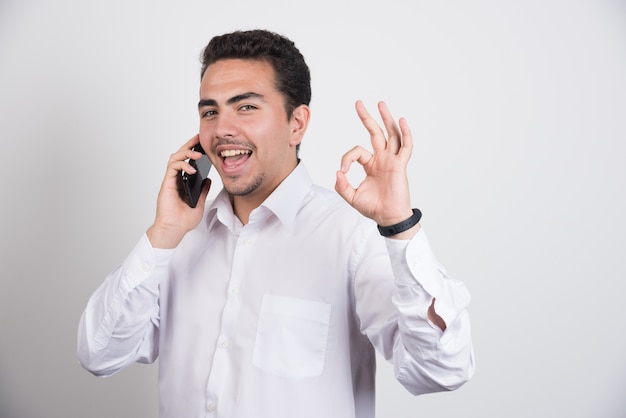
<point x="299" y="123"/>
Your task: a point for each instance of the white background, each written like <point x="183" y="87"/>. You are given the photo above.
<point x="519" y="114"/>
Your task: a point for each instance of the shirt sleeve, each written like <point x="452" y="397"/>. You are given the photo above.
<point x="425" y="358"/>
<point x="120" y="323"/>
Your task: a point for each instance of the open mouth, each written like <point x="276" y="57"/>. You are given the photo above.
<point x="233" y="158"/>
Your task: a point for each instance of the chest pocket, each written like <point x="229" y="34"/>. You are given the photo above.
<point x="292" y="336"/>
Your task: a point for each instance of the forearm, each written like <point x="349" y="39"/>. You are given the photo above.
<point x="435" y="350"/>
<point x="427" y="359"/>
<point x="120" y="323"/>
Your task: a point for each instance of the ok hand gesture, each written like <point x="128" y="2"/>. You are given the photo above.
<point x="384" y="193"/>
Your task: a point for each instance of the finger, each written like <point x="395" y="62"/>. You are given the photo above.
<point x="407" y="140"/>
<point x="176" y="165"/>
<point x="195" y="140"/>
<point x="343" y="187"/>
<point x="186" y="152"/>
<point x="394" y="137"/>
<point x="184" y="156"/>
<point x="188" y="146"/>
<point x="357" y="154"/>
<point x="377" y="136"/>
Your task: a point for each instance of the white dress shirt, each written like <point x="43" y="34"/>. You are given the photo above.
<point x="280" y="317"/>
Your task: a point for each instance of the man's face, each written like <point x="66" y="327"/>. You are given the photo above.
<point x="244" y="127"/>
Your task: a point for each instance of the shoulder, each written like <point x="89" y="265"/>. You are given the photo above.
<point x="330" y="207"/>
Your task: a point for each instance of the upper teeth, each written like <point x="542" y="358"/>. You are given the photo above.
<point x="233" y="152"/>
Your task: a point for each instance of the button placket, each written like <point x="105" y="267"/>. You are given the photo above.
<point x="221" y="373"/>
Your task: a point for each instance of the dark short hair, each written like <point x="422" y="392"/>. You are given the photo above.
<point x="293" y="78"/>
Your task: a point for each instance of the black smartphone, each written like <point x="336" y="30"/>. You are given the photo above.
<point x="192" y="183"/>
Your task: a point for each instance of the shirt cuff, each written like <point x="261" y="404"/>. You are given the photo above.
<point x="414" y="263"/>
<point x="143" y="260"/>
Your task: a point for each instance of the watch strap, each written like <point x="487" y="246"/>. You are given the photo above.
<point x="387" y="231"/>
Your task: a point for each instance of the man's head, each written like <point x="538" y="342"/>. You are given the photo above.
<point x="293" y="78"/>
<point x="253" y="108"/>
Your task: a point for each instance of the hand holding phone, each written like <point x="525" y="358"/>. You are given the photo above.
<point x="192" y="183"/>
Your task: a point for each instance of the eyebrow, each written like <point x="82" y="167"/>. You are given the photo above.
<point x="232" y="100"/>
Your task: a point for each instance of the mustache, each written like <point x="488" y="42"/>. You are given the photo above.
<point x="232" y="141"/>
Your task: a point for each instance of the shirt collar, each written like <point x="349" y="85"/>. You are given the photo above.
<point x="284" y="202"/>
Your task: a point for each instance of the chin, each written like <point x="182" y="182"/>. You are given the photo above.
<point x="239" y="189"/>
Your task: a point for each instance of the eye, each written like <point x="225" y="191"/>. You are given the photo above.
<point x="247" y="107"/>
<point x="208" y="113"/>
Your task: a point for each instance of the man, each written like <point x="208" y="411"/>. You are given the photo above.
<point x="269" y="300"/>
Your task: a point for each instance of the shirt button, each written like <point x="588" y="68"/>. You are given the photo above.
<point x="145" y="267"/>
<point x="247" y="241"/>
<point x="225" y="344"/>
<point x="415" y="262"/>
<point x="236" y="290"/>
<point x="212" y="406"/>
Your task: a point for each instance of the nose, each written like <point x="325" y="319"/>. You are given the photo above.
<point x="226" y="125"/>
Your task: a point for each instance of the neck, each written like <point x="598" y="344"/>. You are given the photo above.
<point x="243" y="205"/>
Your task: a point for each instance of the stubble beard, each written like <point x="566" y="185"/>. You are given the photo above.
<point x="245" y="189"/>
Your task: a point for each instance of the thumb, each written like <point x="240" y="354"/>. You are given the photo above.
<point x="343" y="187"/>
<point x="206" y="186"/>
